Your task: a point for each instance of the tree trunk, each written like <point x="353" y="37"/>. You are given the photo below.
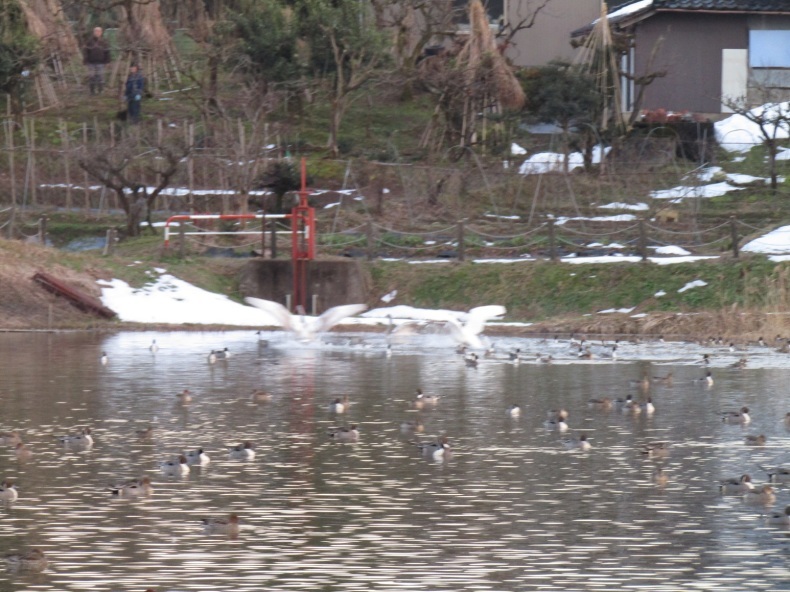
<point x="134" y="215"/>
<point x="772" y="153"/>
<point x="565" y="149"/>
<point x="335" y="118"/>
<point x="587" y="153"/>
<point x="212" y="103"/>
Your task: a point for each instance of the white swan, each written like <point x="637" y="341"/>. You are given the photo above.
<point x="302" y="327"/>
<point x="473" y="324"/>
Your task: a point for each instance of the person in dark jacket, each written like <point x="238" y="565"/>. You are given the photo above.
<point x="96" y="55"/>
<point x="135" y="86"/>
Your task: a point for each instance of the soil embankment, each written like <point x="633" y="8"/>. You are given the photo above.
<point x="565" y="305"/>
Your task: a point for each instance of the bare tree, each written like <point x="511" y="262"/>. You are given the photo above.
<point x="771" y="117"/>
<point x="413" y="25"/>
<point x="214" y="38"/>
<point x="474" y="86"/>
<point x="522" y="16"/>
<point x="122" y="169"/>
<point x="344" y="31"/>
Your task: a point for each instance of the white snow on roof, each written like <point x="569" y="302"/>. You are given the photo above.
<point x="624" y="11"/>
<point x="631" y="9"/>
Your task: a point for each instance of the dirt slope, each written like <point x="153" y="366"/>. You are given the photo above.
<point x="26" y="305"/>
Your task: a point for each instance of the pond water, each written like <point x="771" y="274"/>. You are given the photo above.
<point x="510" y="509"/>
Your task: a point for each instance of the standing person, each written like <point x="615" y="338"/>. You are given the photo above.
<point x="135" y="85"/>
<point x="96" y="55"/>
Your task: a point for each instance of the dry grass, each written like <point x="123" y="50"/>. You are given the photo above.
<point x="46" y="23"/>
<point x="25" y="305"/>
<point x="739" y="328"/>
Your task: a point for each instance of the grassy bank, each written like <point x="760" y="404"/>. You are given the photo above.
<point x="544" y="290"/>
<point x="743" y="297"/>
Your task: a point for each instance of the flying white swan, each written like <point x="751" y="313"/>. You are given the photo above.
<point x="302" y="327"/>
<point x="468" y="332"/>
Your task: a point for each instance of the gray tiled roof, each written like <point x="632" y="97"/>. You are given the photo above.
<point x="739" y="5"/>
<point x="773" y="6"/>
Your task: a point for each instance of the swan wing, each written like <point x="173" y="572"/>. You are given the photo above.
<point x="477" y="317"/>
<point x="275" y="310"/>
<point x="462" y="335"/>
<point x="408" y="328"/>
<point x="334" y="315"/>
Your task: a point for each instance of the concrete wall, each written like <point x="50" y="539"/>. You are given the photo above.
<point x="691" y="53"/>
<point x="335" y="282"/>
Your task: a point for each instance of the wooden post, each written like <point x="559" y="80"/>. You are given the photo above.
<point x="223" y="188"/>
<point x="86" y="179"/>
<point x="369" y="237"/>
<point x="163" y="198"/>
<point x="109" y="243"/>
<point x="552" y="241"/>
<point x="11" y="169"/>
<point x="39" y="93"/>
<point x="64" y="134"/>
<point x="263" y="236"/>
<point x="42" y="230"/>
<point x="734" y="235"/>
<point x="182" y="239"/>
<point x="380" y="200"/>
<point x="191" y="166"/>
<point x="31" y="159"/>
<point x="642" y="245"/>
<point x="461" y="246"/>
<point x="274" y="239"/>
<point x="243" y="170"/>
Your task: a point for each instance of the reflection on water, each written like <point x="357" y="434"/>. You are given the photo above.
<point x="510" y="509"/>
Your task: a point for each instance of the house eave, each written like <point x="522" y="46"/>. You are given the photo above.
<point x="632" y="19"/>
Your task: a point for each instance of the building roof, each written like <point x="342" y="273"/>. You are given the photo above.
<point x="724" y="5"/>
<point x="642" y="9"/>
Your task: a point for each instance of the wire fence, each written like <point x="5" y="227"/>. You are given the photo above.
<point x="551" y="240"/>
<point x="221" y="171"/>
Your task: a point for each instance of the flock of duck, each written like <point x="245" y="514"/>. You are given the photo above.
<point x="36" y="560"/>
<point x="759" y="495"/>
<point x="556" y="420"/>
